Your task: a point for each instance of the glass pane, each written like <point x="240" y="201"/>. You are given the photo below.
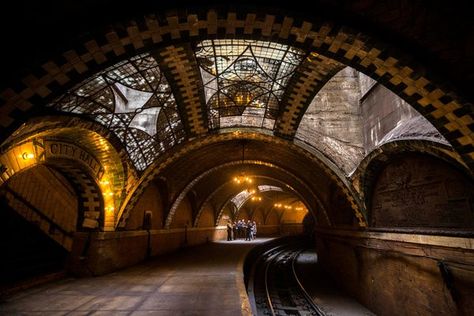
<point x="128" y="98"/>
<point x="244" y="80"/>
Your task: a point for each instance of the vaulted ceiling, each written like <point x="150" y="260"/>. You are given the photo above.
<point x="171" y="84"/>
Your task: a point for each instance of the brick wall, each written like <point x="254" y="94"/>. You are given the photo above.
<point x="420" y="191"/>
<point x="50" y="193"/>
<point x="149" y="201"/>
<point x="399" y="274"/>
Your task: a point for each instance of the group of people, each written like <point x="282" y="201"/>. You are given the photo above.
<point x="241" y="229"/>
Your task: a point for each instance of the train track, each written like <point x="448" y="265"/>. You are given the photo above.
<point x="274" y="287"/>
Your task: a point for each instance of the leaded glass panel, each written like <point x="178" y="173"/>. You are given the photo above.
<point x="132" y="99"/>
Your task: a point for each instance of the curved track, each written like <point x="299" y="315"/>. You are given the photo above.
<point x="274" y="288"/>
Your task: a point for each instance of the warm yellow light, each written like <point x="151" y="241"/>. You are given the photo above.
<point x="27" y="156"/>
<point x="105" y="182"/>
<point x="256" y="198"/>
<point x="242" y="179"/>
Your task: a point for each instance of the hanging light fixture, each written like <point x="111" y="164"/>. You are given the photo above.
<point x="243" y="178"/>
<point x="256" y="198"/>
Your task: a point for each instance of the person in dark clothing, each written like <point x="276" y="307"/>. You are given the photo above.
<point x="254" y="230"/>
<point x="234" y="231"/>
<point x="229" y="231"/>
<point x="248" y="235"/>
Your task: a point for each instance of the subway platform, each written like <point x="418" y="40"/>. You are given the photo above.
<point x="202" y="280"/>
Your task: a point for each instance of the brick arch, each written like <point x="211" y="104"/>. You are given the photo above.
<point x="87" y="135"/>
<point x="435" y="99"/>
<point x="310" y="76"/>
<point x="365" y="175"/>
<point x="168" y="158"/>
<point x="87" y="191"/>
<point x="283" y="211"/>
<point x="91" y="204"/>
<point x="49" y="124"/>
<point x="227" y="199"/>
<point x="83" y="167"/>
<point x="22" y="194"/>
<point x="182" y="195"/>
<point x="197" y="217"/>
<point x="181" y="70"/>
<point x="221" y="208"/>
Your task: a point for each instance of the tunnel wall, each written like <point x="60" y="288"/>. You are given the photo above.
<point x="49" y="192"/>
<point x="400" y="274"/>
<point x="151" y="200"/>
<point x="104" y="252"/>
<point x="99" y="253"/>
<point x="421" y="191"/>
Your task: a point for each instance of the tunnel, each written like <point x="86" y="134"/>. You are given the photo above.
<point x="163" y="158"/>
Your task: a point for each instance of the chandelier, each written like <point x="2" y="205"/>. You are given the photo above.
<point x="242" y="177"/>
<point x="256" y="198"/>
<point x="287" y="207"/>
<point x="253" y="192"/>
<point x="242" y="98"/>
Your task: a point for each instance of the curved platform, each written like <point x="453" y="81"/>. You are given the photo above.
<point x="203" y="280"/>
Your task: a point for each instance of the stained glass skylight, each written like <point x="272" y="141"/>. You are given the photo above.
<point x="264" y="188"/>
<point x="134" y="100"/>
<point x="240" y="198"/>
<point x="244" y="80"/>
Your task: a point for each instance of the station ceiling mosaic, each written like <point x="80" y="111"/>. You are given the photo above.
<point x="133" y="100"/>
<point x="245" y="80"/>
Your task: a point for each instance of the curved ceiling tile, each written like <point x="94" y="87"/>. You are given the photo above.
<point x="133" y="100"/>
<point x="181" y="70"/>
<point x="244" y="80"/>
<point x="310" y="76"/>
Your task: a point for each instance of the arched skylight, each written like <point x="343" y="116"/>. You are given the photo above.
<point x="244" y="80"/>
<point x="264" y="188"/>
<point x="132" y="99"/>
<point x="241" y="198"/>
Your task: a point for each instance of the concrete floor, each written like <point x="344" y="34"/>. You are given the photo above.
<point x="204" y="280"/>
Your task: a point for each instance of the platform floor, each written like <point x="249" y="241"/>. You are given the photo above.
<point x="203" y="280"/>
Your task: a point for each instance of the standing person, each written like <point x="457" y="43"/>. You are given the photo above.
<point x="254" y="230"/>
<point x="237" y="229"/>
<point x="242" y="228"/>
<point x="229" y="231"/>
<point x="234" y="230"/>
<point x="249" y="231"/>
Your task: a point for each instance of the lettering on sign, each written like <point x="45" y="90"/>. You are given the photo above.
<point x="57" y="149"/>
